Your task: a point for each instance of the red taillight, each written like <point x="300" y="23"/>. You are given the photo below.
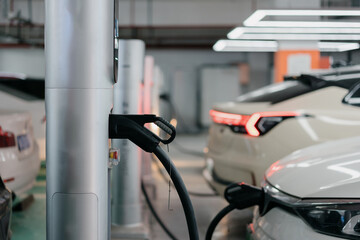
<point x="250" y="126"/>
<point x="7" y="139"/>
<point x="251" y="123"/>
<point x="229" y="118"/>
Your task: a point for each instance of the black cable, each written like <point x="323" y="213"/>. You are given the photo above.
<point x="153" y="211"/>
<point x="182" y="192"/>
<point x="217" y="219"/>
<point x="191" y="193"/>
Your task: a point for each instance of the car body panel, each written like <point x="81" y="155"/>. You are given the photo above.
<point x="241" y="108"/>
<point x="332" y="170"/>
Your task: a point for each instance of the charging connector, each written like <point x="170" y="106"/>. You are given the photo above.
<point x="132" y="127"/>
<point x="242" y="195"/>
<point x="239" y="196"/>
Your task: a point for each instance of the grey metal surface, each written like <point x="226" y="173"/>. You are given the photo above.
<point x="79" y="44"/>
<point x="79" y="96"/>
<point x="75" y="207"/>
<point x="126" y="207"/>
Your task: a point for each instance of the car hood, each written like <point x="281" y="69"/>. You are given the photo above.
<point x="327" y="170"/>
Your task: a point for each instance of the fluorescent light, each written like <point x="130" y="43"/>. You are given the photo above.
<point x="256" y="19"/>
<point x="245" y="46"/>
<point x="282" y="36"/>
<point x="272" y="46"/>
<point x="338" y="46"/>
<point x="237" y="32"/>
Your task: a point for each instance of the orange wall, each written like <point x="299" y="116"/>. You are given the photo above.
<point x="325" y="62"/>
<point x="280" y="61"/>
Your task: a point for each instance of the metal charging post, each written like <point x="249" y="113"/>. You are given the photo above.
<point x="147" y="104"/>
<point x="126" y="206"/>
<point x="79" y="47"/>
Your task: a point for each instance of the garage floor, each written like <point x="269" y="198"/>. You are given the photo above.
<point x="186" y="154"/>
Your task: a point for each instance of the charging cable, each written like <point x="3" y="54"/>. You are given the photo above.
<point x="239" y="196"/>
<point x="132" y="127"/>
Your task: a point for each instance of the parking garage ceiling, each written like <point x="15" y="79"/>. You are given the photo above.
<point x="20" y="29"/>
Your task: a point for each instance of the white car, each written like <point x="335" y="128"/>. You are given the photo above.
<point x="250" y="134"/>
<point x="20" y="93"/>
<point x="19" y="152"/>
<point x="312" y="194"/>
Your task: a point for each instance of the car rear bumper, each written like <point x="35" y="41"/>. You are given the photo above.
<point x="215" y="172"/>
<point x="22" y="172"/>
<point x="215" y="182"/>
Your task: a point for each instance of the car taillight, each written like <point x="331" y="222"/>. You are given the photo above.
<point x="255" y="125"/>
<point x="229" y="118"/>
<point x="7" y="139"/>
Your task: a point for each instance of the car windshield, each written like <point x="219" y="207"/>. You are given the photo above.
<point x="276" y="92"/>
<point x="294" y="86"/>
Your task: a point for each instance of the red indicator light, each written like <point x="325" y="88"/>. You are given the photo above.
<point x="9" y="180"/>
<point x="113" y="155"/>
<point x="228" y="118"/>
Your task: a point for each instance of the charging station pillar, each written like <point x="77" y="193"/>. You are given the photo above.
<point x="79" y="46"/>
<point x="147" y="109"/>
<point x="126" y="204"/>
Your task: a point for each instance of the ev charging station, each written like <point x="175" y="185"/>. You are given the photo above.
<point x="79" y="48"/>
<point x="126" y="204"/>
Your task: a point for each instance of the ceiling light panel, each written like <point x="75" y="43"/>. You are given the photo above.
<point x="245" y="46"/>
<point x="290" y="36"/>
<point x="237" y="32"/>
<point x="272" y="46"/>
<point x="256" y="19"/>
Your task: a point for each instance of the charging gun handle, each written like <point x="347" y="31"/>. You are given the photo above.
<point x="132" y="127"/>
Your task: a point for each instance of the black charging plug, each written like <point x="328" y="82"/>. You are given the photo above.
<point x="242" y="195"/>
<point x="132" y="127"/>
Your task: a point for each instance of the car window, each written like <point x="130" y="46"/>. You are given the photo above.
<point x="345" y="80"/>
<point x="277" y="92"/>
